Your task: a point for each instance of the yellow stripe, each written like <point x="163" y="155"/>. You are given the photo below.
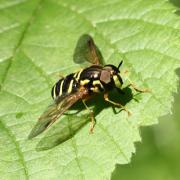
<point x="54" y="93"/>
<point x="97" y="82"/>
<point x="78" y="75"/>
<point x="61" y="87"/>
<point x="116" y="81"/>
<point x="83" y="82"/>
<point x="75" y="74"/>
<point x="70" y="86"/>
<point x="95" y="89"/>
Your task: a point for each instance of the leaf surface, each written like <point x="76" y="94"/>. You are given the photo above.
<point x="37" y="41"/>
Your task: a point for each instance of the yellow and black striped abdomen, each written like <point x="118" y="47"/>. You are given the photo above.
<point x="65" y="86"/>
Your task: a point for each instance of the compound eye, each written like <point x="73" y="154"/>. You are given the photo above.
<point x="105" y="76"/>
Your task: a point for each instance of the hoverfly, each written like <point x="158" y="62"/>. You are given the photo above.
<point x="82" y="85"/>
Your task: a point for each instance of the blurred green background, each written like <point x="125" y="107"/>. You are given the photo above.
<point x="158" y="155"/>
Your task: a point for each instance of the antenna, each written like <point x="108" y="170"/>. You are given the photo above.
<point x="120" y="64"/>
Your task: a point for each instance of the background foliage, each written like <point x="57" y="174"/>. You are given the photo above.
<point x="37" y="40"/>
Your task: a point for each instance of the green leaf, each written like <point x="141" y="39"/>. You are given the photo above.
<point x="159" y="152"/>
<point x="37" y="41"/>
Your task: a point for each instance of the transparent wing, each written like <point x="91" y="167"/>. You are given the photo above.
<point x="54" y="111"/>
<point x="87" y="51"/>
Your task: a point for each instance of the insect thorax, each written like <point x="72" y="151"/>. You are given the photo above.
<point x="98" y="79"/>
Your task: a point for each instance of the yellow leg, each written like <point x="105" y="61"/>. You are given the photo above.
<point x="136" y="88"/>
<point x="91" y="116"/>
<point x="116" y="104"/>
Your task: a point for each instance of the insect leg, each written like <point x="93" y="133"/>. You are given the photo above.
<point x="91" y="116"/>
<point x="114" y="103"/>
<point x="133" y="85"/>
<point x="136" y="88"/>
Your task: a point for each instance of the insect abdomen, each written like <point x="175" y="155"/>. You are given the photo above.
<point x="64" y="86"/>
<point x="56" y="89"/>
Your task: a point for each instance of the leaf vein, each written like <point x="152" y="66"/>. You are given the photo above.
<point x="139" y="20"/>
<point x="113" y="141"/>
<point x="12" y="4"/>
<point x="17" y="47"/>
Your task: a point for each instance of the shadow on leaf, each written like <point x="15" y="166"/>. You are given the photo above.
<point x="65" y="129"/>
<point x="77" y="117"/>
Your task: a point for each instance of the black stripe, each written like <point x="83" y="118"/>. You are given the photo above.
<point x="52" y="92"/>
<point x="66" y="83"/>
<point x="58" y="87"/>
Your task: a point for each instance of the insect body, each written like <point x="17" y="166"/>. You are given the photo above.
<point x="96" y="78"/>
